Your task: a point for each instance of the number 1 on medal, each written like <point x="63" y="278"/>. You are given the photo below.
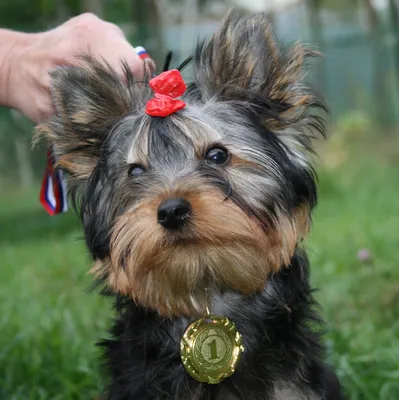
<point x="213" y="349"/>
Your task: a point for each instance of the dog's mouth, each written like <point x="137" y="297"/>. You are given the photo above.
<point x="167" y="269"/>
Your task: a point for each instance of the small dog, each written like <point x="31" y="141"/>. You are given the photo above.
<point x="202" y="207"/>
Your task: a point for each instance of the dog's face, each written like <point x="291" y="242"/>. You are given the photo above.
<point x="217" y="195"/>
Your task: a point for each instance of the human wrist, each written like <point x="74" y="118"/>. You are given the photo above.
<point x="12" y="47"/>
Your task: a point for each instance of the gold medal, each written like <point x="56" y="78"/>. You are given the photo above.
<point x="211" y="349"/>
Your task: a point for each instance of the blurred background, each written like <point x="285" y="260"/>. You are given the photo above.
<point x="49" y="321"/>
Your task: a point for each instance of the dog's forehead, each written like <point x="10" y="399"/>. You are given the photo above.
<point x="187" y="134"/>
<point x="191" y="132"/>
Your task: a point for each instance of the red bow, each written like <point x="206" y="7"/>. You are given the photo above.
<point x="167" y="86"/>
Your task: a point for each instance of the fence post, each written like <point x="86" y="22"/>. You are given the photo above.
<point x="317" y="38"/>
<point x="394" y="16"/>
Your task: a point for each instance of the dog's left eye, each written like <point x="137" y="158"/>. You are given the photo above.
<point x="135" y="170"/>
<point x="217" y="156"/>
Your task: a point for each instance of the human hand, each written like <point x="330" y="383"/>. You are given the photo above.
<point x="35" y="55"/>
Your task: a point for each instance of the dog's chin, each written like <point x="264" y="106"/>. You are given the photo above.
<point x="172" y="278"/>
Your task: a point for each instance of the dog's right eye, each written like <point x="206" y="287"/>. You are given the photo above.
<point x="217" y="156"/>
<point x="135" y="170"/>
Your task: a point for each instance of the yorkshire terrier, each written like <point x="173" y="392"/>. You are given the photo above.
<point x="197" y="199"/>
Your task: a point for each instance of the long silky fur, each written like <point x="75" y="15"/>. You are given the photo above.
<point x="249" y="97"/>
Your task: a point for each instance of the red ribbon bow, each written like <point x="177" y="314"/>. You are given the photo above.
<point x="167" y="86"/>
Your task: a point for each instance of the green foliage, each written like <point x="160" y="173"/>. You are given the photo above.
<point x="351" y="129"/>
<point x="336" y="5"/>
<point x="23" y="13"/>
<point x="9" y="168"/>
<point x="355" y="125"/>
<point x="32" y="15"/>
<point x="49" y="322"/>
<point x="358" y="210"/>
<point x="119" y="10"/>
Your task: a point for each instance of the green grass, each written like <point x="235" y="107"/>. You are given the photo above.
<point x="49" y="322"/>
<point x="359" y="208"/>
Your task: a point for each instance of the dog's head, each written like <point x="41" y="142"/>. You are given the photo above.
<point x="217" y="195"/>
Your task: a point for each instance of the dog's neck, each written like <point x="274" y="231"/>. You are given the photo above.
<point x="280" y="347"/>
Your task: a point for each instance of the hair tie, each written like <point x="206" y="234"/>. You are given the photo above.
<point x="167" y="86"/>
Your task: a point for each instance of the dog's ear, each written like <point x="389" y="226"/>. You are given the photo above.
<point x="242" y="61"/>
<point x="89" y="101"/>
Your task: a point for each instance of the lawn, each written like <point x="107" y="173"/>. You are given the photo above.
<point x="49" y="321"/>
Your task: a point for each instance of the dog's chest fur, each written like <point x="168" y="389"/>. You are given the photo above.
<point x="282" y="358"/>
<point x="281" y="391"/>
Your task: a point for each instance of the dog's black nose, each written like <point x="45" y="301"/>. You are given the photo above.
<point x="172" y="213"/>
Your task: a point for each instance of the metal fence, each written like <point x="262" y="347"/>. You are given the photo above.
<point x="359" y="70"/>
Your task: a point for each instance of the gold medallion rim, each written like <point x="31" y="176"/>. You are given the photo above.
<point x="188" y="341"/>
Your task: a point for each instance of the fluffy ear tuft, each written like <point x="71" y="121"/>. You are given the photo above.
<point x="242" y="62"/>
<point x="89" y="101"/>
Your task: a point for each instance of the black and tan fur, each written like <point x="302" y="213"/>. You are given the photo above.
<point x="243" y="237"/>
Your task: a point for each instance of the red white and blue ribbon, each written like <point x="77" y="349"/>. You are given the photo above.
<point x="53" y="193"/>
